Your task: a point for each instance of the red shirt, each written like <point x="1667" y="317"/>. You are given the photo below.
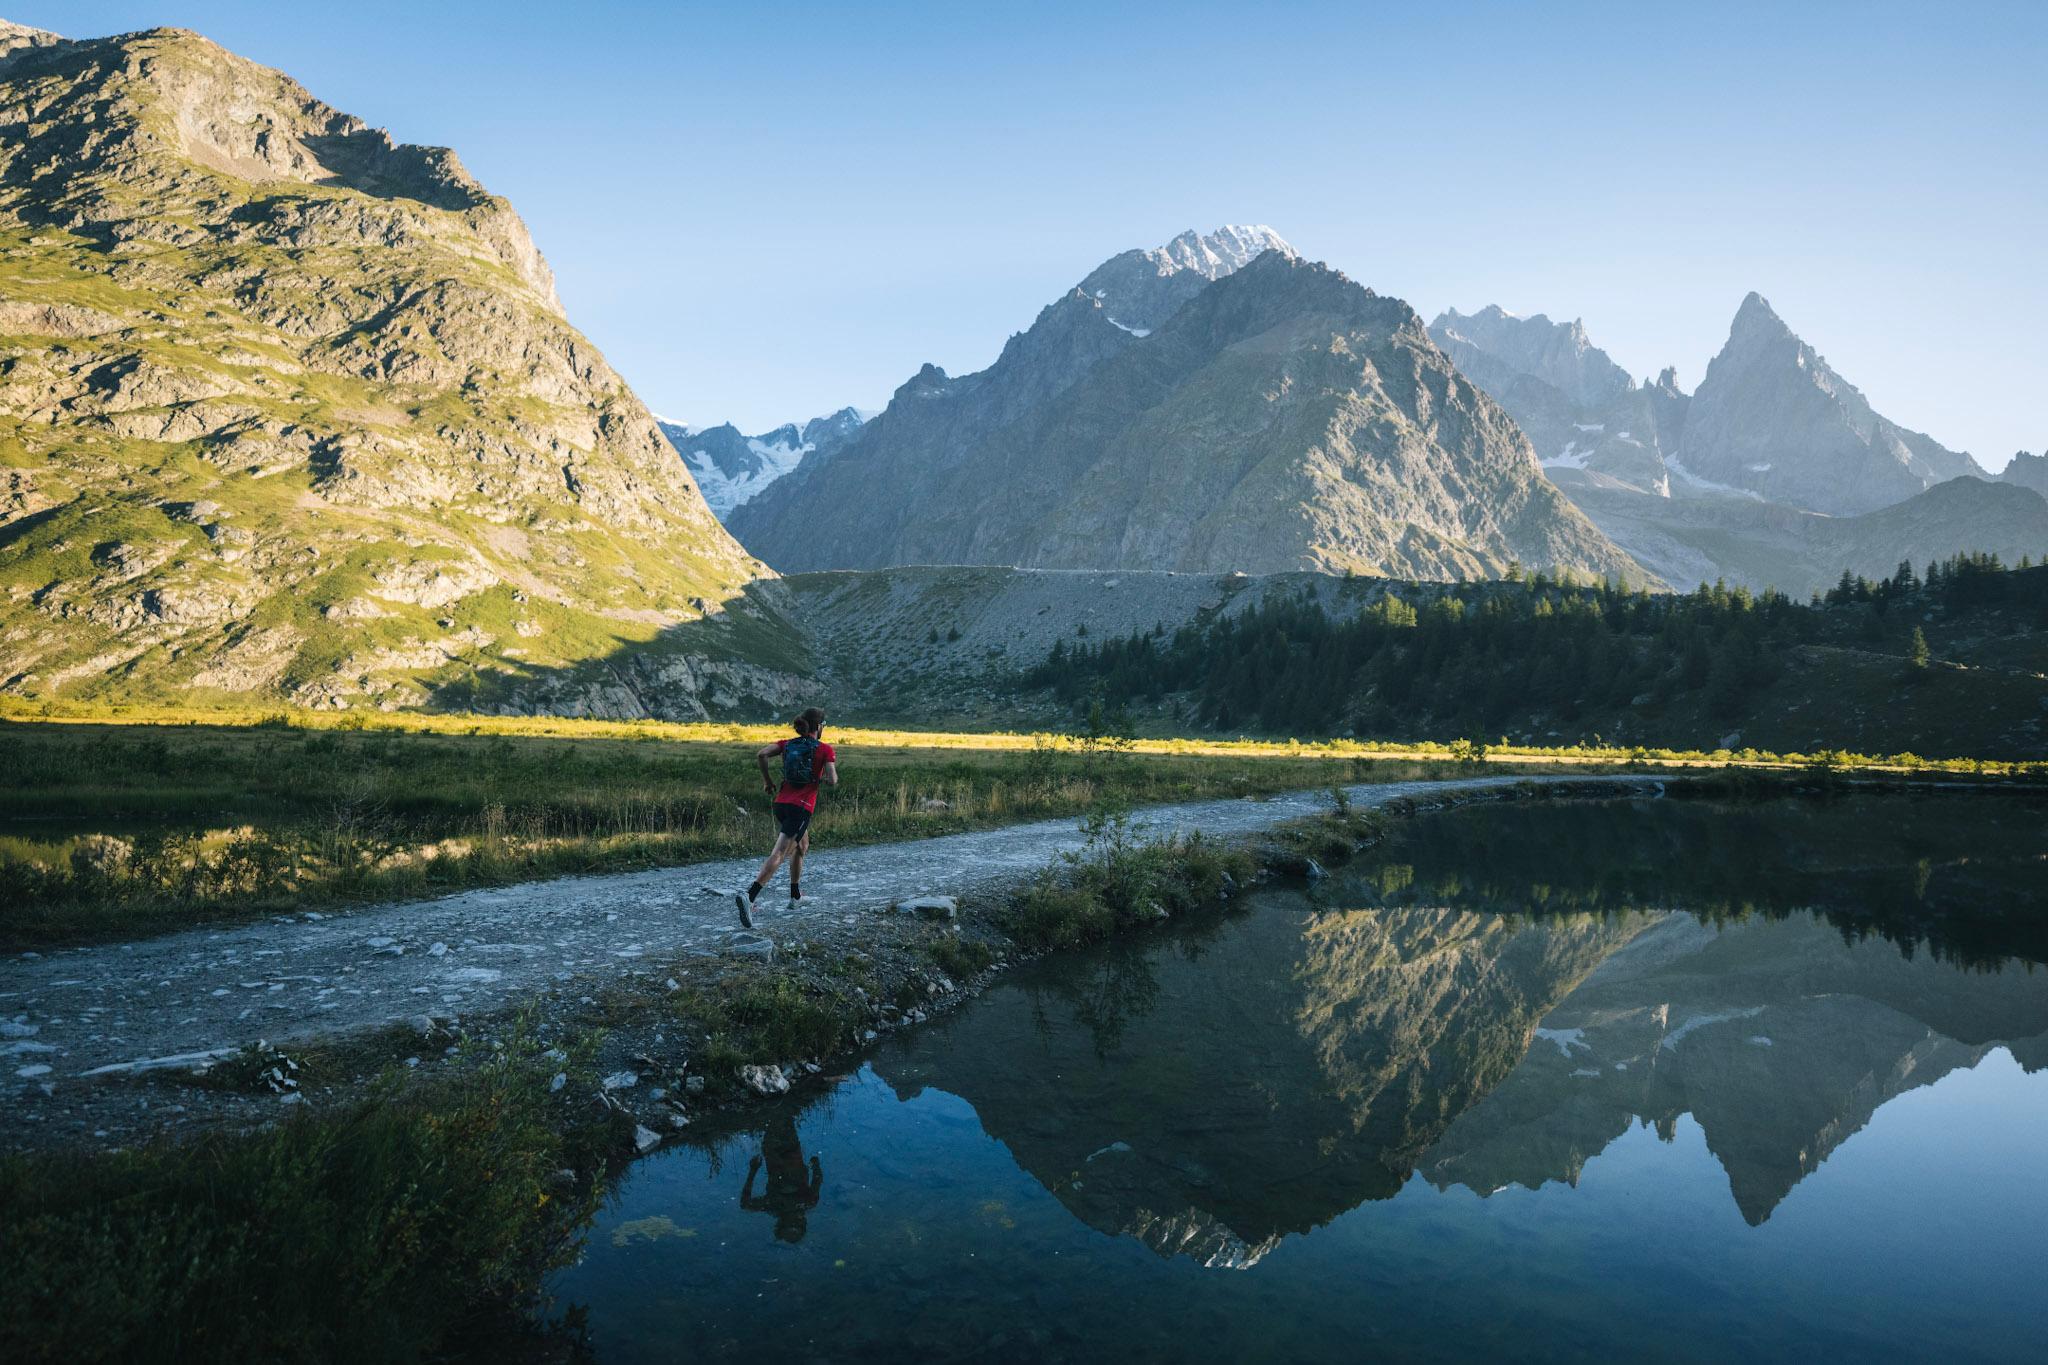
<point x="806" y="795"/>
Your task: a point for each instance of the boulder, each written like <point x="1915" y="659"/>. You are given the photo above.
<point x="930" y="907"/>
<point x="753" y="945"/>
<point x="764" y="1080"/>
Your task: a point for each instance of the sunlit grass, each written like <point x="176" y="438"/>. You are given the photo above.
<point x="142" y="820"/>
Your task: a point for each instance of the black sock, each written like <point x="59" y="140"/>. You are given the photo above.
<point x="795" y="894"/>
<point x="754" y="891"/>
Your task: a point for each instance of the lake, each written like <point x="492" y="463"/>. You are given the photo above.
<point x="1665" y="1079"/>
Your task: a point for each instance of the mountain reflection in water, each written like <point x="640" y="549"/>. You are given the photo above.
<point x="1496" y="1000"/>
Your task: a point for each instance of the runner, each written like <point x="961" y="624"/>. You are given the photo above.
<point x="807" y="761"/>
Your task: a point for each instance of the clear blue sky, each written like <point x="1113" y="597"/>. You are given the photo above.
<point x="762" y="212"/>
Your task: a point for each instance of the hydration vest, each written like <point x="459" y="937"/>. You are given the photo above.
<point x="800" y="761"/>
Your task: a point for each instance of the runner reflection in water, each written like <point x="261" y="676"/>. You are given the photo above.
<point x="792" y="1189"/>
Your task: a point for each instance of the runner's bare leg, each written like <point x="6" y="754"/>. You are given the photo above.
<point x="784" y="848"/>
<point x="796" y="861"/>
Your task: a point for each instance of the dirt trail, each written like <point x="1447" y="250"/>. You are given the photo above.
<point x="170" y="1001"/>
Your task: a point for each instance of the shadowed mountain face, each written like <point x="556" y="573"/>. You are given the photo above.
<point x="1757" y="544"/>
<point x="1499" y="993"/>
<point x="1279" y="417"/>
<point x="300" y="417"/>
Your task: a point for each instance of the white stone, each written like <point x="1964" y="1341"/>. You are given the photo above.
<point x="764" y="1080"/>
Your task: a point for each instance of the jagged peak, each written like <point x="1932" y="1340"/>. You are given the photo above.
<point x="1757" y="316"/>
<point x="1230" y="247"/>
<point x="928" y="376"/>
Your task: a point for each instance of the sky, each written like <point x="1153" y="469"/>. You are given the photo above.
<point x="764" y="212"/>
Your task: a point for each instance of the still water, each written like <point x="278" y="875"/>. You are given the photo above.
<point x="1657" y="1079"/>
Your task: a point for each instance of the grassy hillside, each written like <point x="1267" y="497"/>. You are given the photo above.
<point x="300" y="419"/>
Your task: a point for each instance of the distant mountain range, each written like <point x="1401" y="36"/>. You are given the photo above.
<point x="1197" y="408"/>
<point x="730" y="468"/>
<point x="1777" y="472"/>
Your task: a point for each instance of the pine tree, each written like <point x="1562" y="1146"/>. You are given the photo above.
<point x="1918" y="656"/>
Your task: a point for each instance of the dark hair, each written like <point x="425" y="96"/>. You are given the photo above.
<point x="810" y="722"/>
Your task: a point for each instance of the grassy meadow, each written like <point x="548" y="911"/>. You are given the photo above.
<point x="152" y="820"/>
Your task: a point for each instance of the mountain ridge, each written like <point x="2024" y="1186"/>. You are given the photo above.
<point x="1282" y="416"/>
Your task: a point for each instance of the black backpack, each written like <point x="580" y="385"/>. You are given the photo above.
<point x="800" y="761"/>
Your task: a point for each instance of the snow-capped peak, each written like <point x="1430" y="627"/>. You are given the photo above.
<point x="1216" y="254"/>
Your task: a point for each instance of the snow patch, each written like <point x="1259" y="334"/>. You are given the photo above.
<point x="1700" y="481"/>
<point x="1134" y="331"/>
<point x="1700" y="1021"/>
<point x="1566" y="1039"/>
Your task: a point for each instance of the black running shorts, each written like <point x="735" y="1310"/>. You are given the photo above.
<point x="793" y="820"/>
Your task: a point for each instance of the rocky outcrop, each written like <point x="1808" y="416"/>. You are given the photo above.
<point x="1772" y="418"/>
<point x="1283" y="417"/>
<point x="2028" y="471"/>
<point x="299" y="413"/>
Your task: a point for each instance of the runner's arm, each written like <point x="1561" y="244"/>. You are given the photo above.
<point x="830" y="777"/>
<point x="762" y="758"/>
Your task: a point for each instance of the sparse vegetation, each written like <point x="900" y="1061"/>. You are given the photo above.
<point x="1119" y="880"/>
<point x="374" y="1233"/>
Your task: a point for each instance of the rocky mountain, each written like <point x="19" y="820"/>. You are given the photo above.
<point x="1279" y="417"/>
<point x="1744" y="540"/>
<point x="1577" y="407"/>
<point x="1825" y="483"/>
<point x="1139" y="290"/>
<point x="2028" y="471"/>
<point x="294" y="414"/>
<point x="1772" y="417"/>
<point x="730" y="468"/>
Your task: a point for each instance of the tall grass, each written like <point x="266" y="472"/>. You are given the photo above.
<point x="123" y="829"/>
<point x="372" y="1233"/>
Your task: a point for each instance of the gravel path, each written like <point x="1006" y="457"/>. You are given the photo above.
<point x="171" y="1001"/>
